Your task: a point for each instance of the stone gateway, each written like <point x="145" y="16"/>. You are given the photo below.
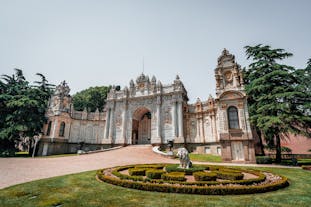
<point x="149" y="112"/>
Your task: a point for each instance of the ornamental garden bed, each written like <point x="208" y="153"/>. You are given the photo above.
<point x="200" y="179"/>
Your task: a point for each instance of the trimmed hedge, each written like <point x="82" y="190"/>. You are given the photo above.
<point x="263" y="160"/>
<point x="204" y="176"/>
<point x="116" y="173"/>
<point x="175" y="176"/>
<point x="306" y="167"/>
<point x="154" y="166"/>
<point x="137" y="171"/>
<point x="154" y="173"/>
<point x="229" y="176"/>
<point x="261" y="178"/>
<point x="230" y="170"/>
<point x="175" y="168"/>
<point x="206" y="190"/>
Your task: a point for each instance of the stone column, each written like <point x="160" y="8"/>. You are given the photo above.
<point x="215" y="128"/>
<point x="180" y="120"/>
<point x="158" y="139"/>
<point x="124" y="121"/>
<point x="107" y="123"/>
<point x="197" y="138"/>
<point x="54" y="128"/>
<point x="202" y="129"/>
<point x="111" y="123"/>
<point x="212" y="124"/>
<point x="174" y="127"/>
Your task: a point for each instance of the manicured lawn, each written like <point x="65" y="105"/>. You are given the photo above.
<point x="84" y="190"/>
<point x="205" y="158"/>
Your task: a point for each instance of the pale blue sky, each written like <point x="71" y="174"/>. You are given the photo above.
<point x="89" y="43"/>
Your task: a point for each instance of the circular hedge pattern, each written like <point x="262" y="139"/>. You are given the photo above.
<point x="200" y="179"/>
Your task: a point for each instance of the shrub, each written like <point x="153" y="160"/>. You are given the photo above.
<point x="126" y="177"/>
<point x="189" y="171"/>
<point x="306" y="167"/>
<point x="229" y="176"/>
<point x="286" y="149"/>
<point x="304" y="161"/>
<point x="175" y="176"/>
<point x="7" y="152"/>
<point x="154" y="173"/>
<point x="230" y="170"/>
<point x="137" y="171"/>
<point x="205" y="176"/>
<point x="263" y="160"/>
<point x="214" y="167"/>
<point x="154" y="166"/>
<point x="207" y="190"/>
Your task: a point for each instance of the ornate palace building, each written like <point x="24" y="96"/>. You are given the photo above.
<point x="149" y="112"/>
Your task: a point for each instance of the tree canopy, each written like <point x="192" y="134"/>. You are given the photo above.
<point x="276" y="95"/>
<point x="22" y="107"/>
<point x="92" y="98"/>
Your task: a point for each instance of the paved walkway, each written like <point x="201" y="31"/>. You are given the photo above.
<point x="20" y="170"/>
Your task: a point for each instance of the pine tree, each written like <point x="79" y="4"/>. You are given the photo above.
<point x="273" y="89"/>
<point x="22" y="108"/>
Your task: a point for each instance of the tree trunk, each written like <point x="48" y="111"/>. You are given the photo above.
<point x="30" y="147"/>
<point x="260" y="141"/>
<point x="278" y="157"/>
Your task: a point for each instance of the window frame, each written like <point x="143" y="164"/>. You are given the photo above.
<point x="62" y="129"/>
<point x="48" y="130"/>
<point x="233" y="117"/>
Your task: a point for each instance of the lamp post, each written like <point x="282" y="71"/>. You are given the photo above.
<point x="37" y="139"/>
<point x="170" y="144"/>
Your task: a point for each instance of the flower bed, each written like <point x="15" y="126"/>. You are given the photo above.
<point x="176" y="182"/>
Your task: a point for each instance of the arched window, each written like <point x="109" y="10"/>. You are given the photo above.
<point x="49" y="128"/>
<point x="62" y="129"/>
<point x="233" y="118"/>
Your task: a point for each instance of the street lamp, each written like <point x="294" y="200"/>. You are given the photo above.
<point x="37" y="139"/>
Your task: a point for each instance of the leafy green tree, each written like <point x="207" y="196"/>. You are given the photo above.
<point x="303" y="76"/>
<point x="273" y="90"/>
<point x="22" y="108"/>
<point x="92" y="98"/>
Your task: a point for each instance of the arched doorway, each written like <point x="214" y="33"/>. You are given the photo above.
<point x="141" y="126"/>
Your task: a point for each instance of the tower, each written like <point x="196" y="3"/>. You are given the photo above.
<point x="233" y="120"/>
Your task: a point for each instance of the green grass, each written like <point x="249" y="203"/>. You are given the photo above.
<point x="84" y="190"/>
<point x="205" y="158"/>
<point x="21" y="153"/>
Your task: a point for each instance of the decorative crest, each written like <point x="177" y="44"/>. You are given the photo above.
<point x="62" y="89"/>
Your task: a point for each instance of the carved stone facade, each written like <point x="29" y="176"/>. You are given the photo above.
<point x="148" y="112"/>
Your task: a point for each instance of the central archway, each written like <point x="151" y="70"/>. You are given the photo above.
<point x="141" y="126"/>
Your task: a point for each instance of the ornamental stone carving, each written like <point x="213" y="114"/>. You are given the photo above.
<point x="184" y="158"/>
<point x="147" y="112"/>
